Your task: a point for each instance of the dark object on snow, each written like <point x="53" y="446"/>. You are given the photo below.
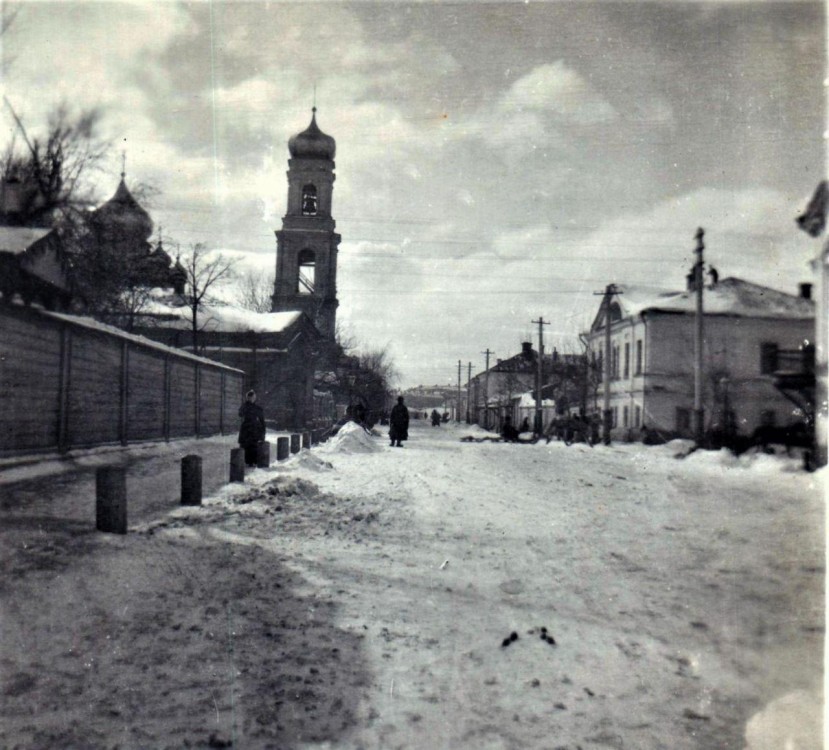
<point x="111" y="500"/>
<point x="548" y="638"/>
<point x="237" y="465"/>
<point x="435" y="418"/>
<point x="252" y="429"/>
<point x="513" y="636"/>
<point x="191" y="474"/>
<point x="399" y="423"/>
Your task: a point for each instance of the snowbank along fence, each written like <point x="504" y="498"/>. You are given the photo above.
<point x="69" y="382"/>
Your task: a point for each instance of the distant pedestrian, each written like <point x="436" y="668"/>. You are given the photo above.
<point x="525" y="425"/>
<point x="435" y="418"/>
<point x="252" y="431"/>
<point x="399" y="424"/>
<point x="508" y="431"/>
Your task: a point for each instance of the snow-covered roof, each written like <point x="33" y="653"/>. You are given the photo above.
<point x="96" y="325"/>
<point x="528" y="400"/>
<point x="730" y="296"/>
<point x="17" y="240"/>
<point x="219" y="316"/>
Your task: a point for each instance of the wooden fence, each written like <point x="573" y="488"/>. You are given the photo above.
<point x="68" y="382"/>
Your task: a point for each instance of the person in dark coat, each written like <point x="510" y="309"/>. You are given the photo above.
<point x="508" y="431"/>
<point x="435" y="418"/>
<point x="399" y="423"/>
<point x="252" y="431"/>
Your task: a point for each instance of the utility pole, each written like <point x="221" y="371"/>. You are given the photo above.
<point x="486" y="389"/>
<point x="699" y="413"/>
<point x="458" y="409"/>
<point x="607" y="415"/>
<point x="468" y="391"/>
<point x="539" y="427"/>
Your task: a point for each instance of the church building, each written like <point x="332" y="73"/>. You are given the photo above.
<point x="306" y="246"/>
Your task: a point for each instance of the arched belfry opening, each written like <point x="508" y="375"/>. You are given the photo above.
<point x="309" y="200"/>
<point x="306" y="276"/>
<point x="307" y="244"/>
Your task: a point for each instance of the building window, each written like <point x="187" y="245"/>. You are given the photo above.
<point x="626" y="416"/>
<point x="638" y="357"/>
<point x="627" y="361"/>
<point x="309" y="200"/>
<point x="637" y="416"/>
<point x="307" y="272"/>
<point x="683" y="420"/>
<point x="614" y="363"/>
<point x="614" y="421"/>
<point x="768" y="358"/>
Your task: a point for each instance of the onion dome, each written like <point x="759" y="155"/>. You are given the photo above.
<point x="125" y="213"/>
<point x="312" y="143"/>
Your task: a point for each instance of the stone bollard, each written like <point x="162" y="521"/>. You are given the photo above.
<point x="191" y="480"/>
<point x="295" y="442"/>
<point x="283" y="447"/>
<point x="306" y="440"/>
<point x="237" y="465"/>
<point x="263" y="455"/>
<point x="111" y="500"/>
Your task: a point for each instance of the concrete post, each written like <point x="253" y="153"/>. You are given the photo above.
<point x="191" y="480"/>
<point x="283" y="447"/>
<point x="295" y="442"/>
<point x="111" y="500"/>
<point x="306" y="440"/>
<point x="237" y="465"/>
<point x="263" y="455"/>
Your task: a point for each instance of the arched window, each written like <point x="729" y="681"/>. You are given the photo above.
<point x="309" y="200"/>
<point x="307" y="272"/>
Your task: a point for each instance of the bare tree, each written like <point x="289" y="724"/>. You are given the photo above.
<point x="254" y="290"/>
<point x="204" y="271"/>
<point x="54" y="170"/>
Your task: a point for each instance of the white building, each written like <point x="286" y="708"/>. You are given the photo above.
<point x="750" y="332"/>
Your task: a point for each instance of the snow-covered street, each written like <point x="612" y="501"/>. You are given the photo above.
<point x="359" y="596"/>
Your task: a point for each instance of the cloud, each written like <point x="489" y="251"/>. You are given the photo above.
<point x="560" y="91"/>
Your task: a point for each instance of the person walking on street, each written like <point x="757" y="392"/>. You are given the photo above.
<point x="435" y="418"/>
<point x="252" y="431"/>
<point x="399" y="424"/>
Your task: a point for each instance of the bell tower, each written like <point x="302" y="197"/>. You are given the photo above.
<point x="306" y="246"/>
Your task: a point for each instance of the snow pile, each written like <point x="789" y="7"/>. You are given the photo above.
<point x="793" y="721"/>
<point x="351" y="438"/>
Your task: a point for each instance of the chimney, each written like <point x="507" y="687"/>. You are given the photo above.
<point x="805" y="291"/>
<point x="527" y="349"/>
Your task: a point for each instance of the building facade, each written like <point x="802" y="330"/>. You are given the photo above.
<point x="748" y="330"/>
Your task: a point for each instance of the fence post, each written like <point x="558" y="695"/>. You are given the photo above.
<point x="283" y="447"/>
<point x="237" y="465"/>
<point x="197" y="409"/>
<point x="111" y="500"/>
<point x="124" y="394"/>
<point x="263" y="455"/>
<point x="167" y="379"/>
<point x="191" y="480"/>
<point x="295" y="442"/>
<point x="306" y="440"/>
<point x="65" y="384"/>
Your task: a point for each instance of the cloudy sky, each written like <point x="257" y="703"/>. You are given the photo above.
<point x="496" y="162"/>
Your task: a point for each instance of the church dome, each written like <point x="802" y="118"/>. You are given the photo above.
<point x="312" y="143"/>
<point x="123" y="211"/>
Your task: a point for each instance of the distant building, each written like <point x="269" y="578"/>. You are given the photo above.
<point x="751" y="332"/>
